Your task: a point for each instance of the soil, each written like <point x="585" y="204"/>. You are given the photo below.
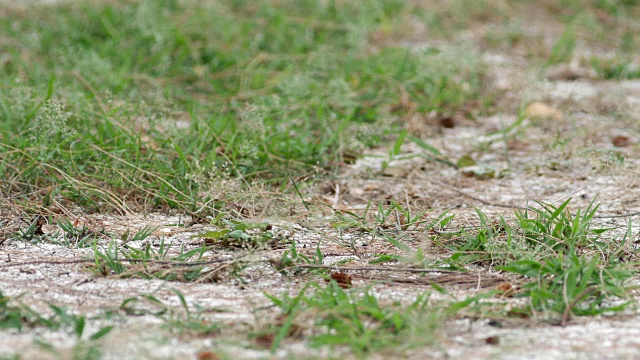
<point x="587" y="150"/>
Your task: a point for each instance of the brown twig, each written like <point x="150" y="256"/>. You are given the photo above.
<point x="567" y="310"/>
<point x="374" y="268"/>
<point x="494" y="204"/>
<point x="134" y="261"/>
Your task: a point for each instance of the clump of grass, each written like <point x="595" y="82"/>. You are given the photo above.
<point x="184" y="321"/>
<point x="148" y="262"/>
<point x="17" y="316"/>
<point x="568" y="284"/>
<point x="567" y="267"/>
<point x="355" y="318"/>
<point x="560" y="256"/>
<point x="14" y="315"/>
<point x="538" y="231"/>
<point x="563" y="49"/>
<point x="615" y="69"/>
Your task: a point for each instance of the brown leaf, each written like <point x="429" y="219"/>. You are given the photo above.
<point x="264" y="340"/>
<point x="395" y="171"/>
<point x="543" y="111"/>
<point x="515" y="144"/>
<point x="621" y="141"/>
<point x="447" y="122"/>
<point x="563" y="74"/>
<point x="207" y="355"/>
<point x="506" y="288"/>
<point x="294" y="329"/>
<point x="492" y="340"/>
<point x="343" y="280"/>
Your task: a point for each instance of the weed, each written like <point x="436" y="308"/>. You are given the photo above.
<point x="563" y="49"/>
<point x="219" y="107"/>
<point x="558" y="253"/>
<point x="614" y="69"/>
<point x="28" y="233"/>
<point x="184" y="322"/>
<point x="142" y="234"/>
<point x="551" y="230"/>
<point x="75" y="322"/>
<point x="240" y="234"/>
<point x="557" y="228"/>
<point x="131" y="262"/>
<point x="17" y="316"/>
<point x="20" y="316"/>
<point x="571" y="285"/>
<point x="292" y="257"/>
<point x="356" y="318"/>
<point x="393" y="224"/>
<point x="482" y="246"/>
<point x="392" y="217"/>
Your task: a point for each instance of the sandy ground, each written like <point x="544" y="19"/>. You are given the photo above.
<point x="547" y="159"/>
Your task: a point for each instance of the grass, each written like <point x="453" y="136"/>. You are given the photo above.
<point x="231" y="111"/>
<point x="17" y="316"/>
<point x="150" y="105"/>
<point x="567" y="266"/>
<point x="354" y="318"/>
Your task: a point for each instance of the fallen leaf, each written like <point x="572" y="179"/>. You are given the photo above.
<point x="294" y="329"/>
<point x="515" y="144"/>
<point x="621" y="141"/>
<point x="543" y="111"/>
<point x="371" y="186"/>
<point x="506" y="289"/>
<point x="343" y="280"/>
<point x="465" y="160"/>
<point x="50" y="229"/>
<point x="492" y="340"/>
<point x="481" y="172"/>
<point x="264" y="340"/>
<point x="395" y="171"/>
<point x="207" y="355"/>
<point x="447" y="122"/>
<point x="566" y="72"/>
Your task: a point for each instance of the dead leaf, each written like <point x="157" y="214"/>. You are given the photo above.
<point x="264" y="340"/>
<point x="481" y="172"/>
<point x="343" y="280"/>
<point x="294" y="329"/>
<point x="395" y="171"/>
<point x="371" y="186"/>
<point x="465" y="160"/>
<point x="621" y="141"/>
<point x="447" y="122"/>
<point x="543" y="111"/>
<point x="207" y="355"/>
<point x="515" y="144"/>
<point x="506" y="289"/>
<point x="50" y="229"/>
<point x="566" y="72"/>
<point x="492" y="340"/>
